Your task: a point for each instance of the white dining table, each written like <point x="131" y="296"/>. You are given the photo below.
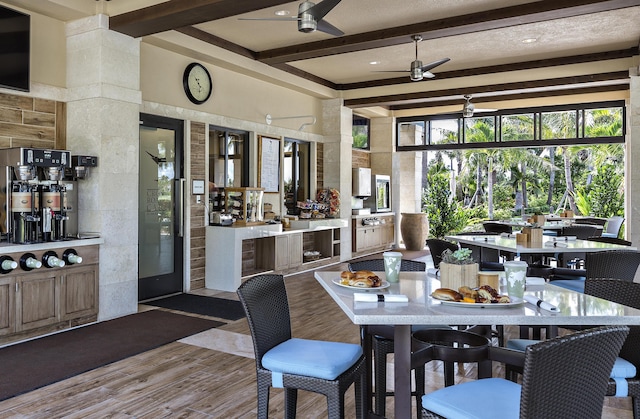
<point x="548" y="245"/>
<point x="421" y="309"/>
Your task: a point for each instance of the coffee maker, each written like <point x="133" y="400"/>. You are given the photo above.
<point x="35" y="195"/>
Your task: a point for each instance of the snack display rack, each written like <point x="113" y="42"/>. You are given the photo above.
<point x="245" y="205"/>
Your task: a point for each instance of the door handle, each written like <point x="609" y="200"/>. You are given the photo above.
<point x="180" y="205"/>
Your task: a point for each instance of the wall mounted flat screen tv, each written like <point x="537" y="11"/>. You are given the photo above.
<point x="15" y="29"/>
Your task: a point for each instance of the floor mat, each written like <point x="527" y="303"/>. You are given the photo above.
<point x="43" y="361"/>
<point x="199" y="304"/>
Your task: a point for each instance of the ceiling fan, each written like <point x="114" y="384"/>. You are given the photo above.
<point x="310" y="17"/>
<point x="469" y="108"/>
<point x="419" y="71"/>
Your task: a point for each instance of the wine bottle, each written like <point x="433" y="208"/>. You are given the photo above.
<point x="7" y="264"/>
<point x="28" y="262"/>
<point x="50" y="260"/>
<point x="71" y="257"/>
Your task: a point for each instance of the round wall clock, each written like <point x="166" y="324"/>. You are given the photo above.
<point x="197" y="83"/>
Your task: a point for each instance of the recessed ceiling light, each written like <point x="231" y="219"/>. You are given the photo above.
<point x="529" y="40"/>
<point x="374" y="62"/>
<point x="282" y="13"/>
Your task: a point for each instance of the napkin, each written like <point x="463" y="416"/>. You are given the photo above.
<point x="534" y="280"/>
<point x="551" y="243"/>
<point x="485" y="239"/>
<point x="539" y="303"/>
<point x="383" y="298"/>
<point x="564" y="238"/>
<point x="508" y="235"/>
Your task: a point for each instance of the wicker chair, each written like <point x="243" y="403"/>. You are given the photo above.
<point x="617" y="264"/>
<point x="565" y="377"/>
<point x="378" y="265"/>
<point x="591" y="220"/>
<point x="285" y="362"/>
<point x="611" y="240"/>
<point x="382" y="340"/>
<point x="494" y="227"/>
<point x="627" y="293"/>
<point x="436" y="247"/>
<point x="581" y="231"/>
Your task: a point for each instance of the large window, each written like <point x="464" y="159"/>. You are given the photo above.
<point x="360" y="132"/>
<point x="567" y="125"/>
<point x="296" y="173"/>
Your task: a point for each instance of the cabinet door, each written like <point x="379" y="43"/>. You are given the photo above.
<point x="282" y="252"/>
<point x="7" y="305"/>
<point x="388" y="238"/>
<point x="38" y="301"/>
<point x="361" y="235"/>
<point x="295" y="250"/>
<point x="373" y="237"/>
<point x="79" y="292"/>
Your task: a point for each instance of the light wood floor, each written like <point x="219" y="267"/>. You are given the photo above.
<point x="180" y="380"/>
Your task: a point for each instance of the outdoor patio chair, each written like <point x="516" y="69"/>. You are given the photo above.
<point x="324" y="367"/>
<point x="611" y="240"/>
<point x="437" y="246"/>
<point x="614" y="224"/>
<point x="591" y="221"/>
<point x="581" y="231"/>
<point x="378" y="265"/>
<point x="564" y="377"/>
<point x="493" y="227"/>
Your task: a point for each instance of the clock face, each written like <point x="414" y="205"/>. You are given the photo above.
<point x="197" y="83"/>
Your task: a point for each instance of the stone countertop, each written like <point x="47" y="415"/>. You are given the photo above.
<point x="6" y="247"/>
<point x="373" y="215"/>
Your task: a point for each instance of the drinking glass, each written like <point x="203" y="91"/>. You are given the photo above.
<point x="392" y="261"/>
<point x="515" y="272"/>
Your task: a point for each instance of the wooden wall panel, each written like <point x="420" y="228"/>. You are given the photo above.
<point x="198" y="227"/>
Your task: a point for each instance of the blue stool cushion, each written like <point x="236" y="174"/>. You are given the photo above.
<point x="465" y="401"/>
<point x="571" y="284"/>
<point x="312" y="358"/>
<point x="611" y="235"/>
<point x="621" y="368"/>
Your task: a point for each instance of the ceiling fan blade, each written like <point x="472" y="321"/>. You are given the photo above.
<point x="427" y="74"/>
<point x="320" y="10"/>
<point x="391" y="71"/>
<point x="326" y="27"/>
<point x="285" y="19"/>
<point x="434" y="64"/>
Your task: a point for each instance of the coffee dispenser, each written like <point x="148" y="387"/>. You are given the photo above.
<point x="35" y="196"/>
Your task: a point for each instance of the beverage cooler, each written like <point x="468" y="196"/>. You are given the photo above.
<point x="380" y="200"/>
<point x="40" y="205"/>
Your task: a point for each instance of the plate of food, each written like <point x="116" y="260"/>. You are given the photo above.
<point x="481" y="297"/>
<point x="360" y="280"/>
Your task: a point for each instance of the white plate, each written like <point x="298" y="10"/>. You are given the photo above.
<point x="515" y="301"/>
<point x="385" y="284"/>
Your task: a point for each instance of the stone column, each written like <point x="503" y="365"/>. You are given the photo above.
<point x="103" y="72"/>
<point x="336" y="129"/>
<point x="632" y="169"/>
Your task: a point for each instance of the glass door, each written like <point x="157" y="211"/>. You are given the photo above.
<point x="160" y="207"/>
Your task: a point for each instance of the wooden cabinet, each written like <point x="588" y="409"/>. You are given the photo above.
<point x="288" y="251"/>
<point x="79" y="292"/>
<point x="7" y="305"/>
<point x="370" y="238"/>
<point x="47" y="299"/>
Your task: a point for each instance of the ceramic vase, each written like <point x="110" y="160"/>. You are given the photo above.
<point x="415" y="230"/>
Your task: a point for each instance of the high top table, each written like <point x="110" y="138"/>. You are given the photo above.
<point x="574" y="309"/>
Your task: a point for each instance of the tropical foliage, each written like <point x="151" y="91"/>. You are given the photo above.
<point x="510" y="182"/>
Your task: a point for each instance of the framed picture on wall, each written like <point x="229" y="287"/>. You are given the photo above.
<point x="269" y="164"/>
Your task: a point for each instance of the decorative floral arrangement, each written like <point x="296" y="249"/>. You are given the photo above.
<point x="459" y="257"/>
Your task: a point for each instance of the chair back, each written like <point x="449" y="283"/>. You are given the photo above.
<point x="493" y="227"/>
<point x="264" y="299"/>
<point x="611" y="240"/>
<point x="614" y="224"/>
<point x="406" y="265"/>
<point x="591" y="221"/>
<point x="617" y="264"/>
<point x="581" y="231"/>
<point x="621" y="292"/>
<point x="567" y="377"/>
<point x="437" y="246"/>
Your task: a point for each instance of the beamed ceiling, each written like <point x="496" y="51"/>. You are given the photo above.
<point x="582" y="49"/>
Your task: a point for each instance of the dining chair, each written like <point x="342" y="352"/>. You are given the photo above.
<point x="382" y="338"/>
<point x="494" y="227"/>
<point x="437" y="246"/>
<point x="378" y="265"/>
<point x="610" y="240"/>
<point x="614" y="224"/>
<point x="591" y="221"/>
<point x="282" y="361"/>
<point x="563" y="377"/>
<point x="581" y="231"/>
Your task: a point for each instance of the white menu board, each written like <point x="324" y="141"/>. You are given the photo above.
<point x="269" y="164"/>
